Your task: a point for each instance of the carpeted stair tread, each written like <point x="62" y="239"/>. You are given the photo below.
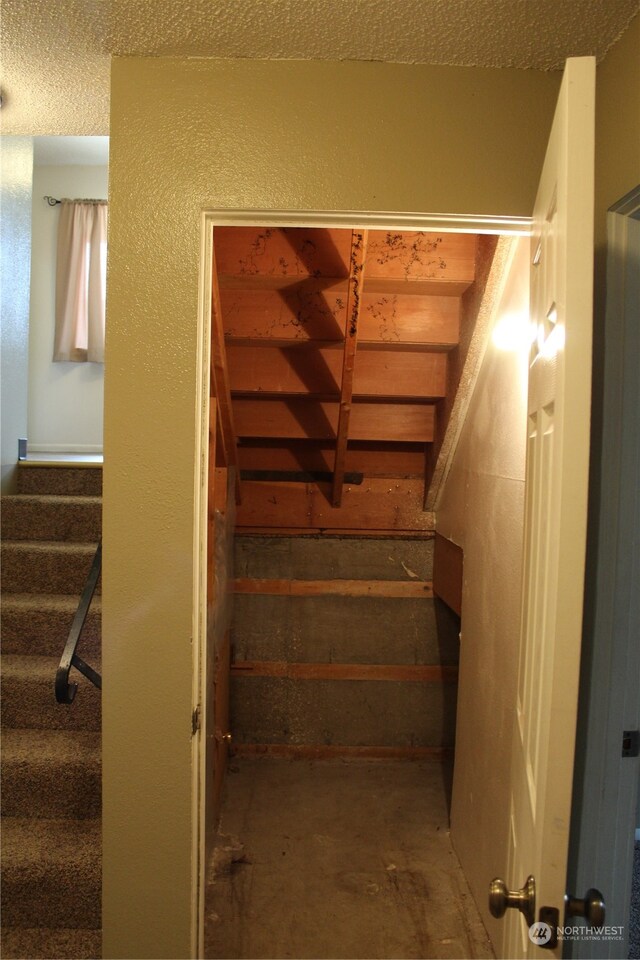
<point x="28" y="698"/>
<point x="51" y="872"/>
<point x="39" y="623"/>
<point x="76" y="480"/>
<point x="22" y="943"/>
<point x="51" y="517"/>
<point x="46" y="566"/>
<point x="51" y="773"/>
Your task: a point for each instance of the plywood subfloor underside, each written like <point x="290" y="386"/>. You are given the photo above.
<point x="344" y="859"/>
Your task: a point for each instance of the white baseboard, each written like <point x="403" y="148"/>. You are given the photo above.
<point x="63" y="448"/>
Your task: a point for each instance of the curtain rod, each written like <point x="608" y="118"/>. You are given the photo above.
<point x="52" y="201"/>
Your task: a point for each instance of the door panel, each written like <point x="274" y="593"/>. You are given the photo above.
<point x="556" y="506"/>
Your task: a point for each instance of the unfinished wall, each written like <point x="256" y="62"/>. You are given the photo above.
<point x="194" y="133"/>
<point x="340" y="649"/>
<point x="482" y="511"/>
<point x="65" y="399"/>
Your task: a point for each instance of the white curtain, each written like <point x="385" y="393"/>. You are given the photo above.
<point x="81" y="281"/>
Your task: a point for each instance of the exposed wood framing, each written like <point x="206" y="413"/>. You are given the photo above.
<point x="411" y="255"/>
<point x="393" y="460"/>
<point x="344" y="588"/>
<point x="377" y="504"/>
<point x="301" y="419"/>
<point x="315" y="372"/>
<point x="447" y="572"/>
<point x="216" y="672"/>
<point x="220" y="378"/>
<point x="221" y="736"/>
<point x="354" y="300"/>
<point x="397" y="315"/>
<point x="213" y="420"/>
<point x="336" y="532"/>
<point x="324" y="751"/>
<point x="298" y="302"/>
<point x="283" y="252"/>
<point x="419" y="673"/>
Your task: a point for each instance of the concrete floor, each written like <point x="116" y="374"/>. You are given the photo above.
<point x="341" y="860"/>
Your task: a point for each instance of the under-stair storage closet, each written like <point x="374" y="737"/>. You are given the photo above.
<point x="336" y="358"/>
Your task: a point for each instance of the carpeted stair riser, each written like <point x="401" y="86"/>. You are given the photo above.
<point x="46" y="567"/>
<point x="28" y="697"/>
<point x="38" y="624"/>
<point x="72" y="519"/>
<point x="59" y="883"/>
<point x="69" y="481"/>
<point x="43" y="943"/>
<point x="51" y="774"/>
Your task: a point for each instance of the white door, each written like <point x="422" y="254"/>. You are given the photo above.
<point x="556" y="508"/>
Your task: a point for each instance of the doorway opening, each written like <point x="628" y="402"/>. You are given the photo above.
<point x="341" y="362"/>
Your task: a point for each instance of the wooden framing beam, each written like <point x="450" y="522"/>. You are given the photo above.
<point x="220" y="378"/>
<point x="396" y="317"/>
<point x="376" y="504"/>
<point x="395" y="673"/>
<point x="448" y="559"/>
<point x="327" y="751"/>
<point x="315" y="372"/>
<point x="301" y="418"/>
<point x="213" y="419"/>
<point x="401" y="589"/>
<point x="379" y="460"/>
<point x="354" y="300"/>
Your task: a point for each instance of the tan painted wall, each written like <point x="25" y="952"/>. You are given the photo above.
<point x="186" y="134"/>
<point x="482" y="510"/>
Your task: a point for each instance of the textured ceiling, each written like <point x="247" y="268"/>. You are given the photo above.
<point x="56" y="54"/>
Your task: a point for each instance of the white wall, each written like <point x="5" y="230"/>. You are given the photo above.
<point x="65" y="399"/>
<point x="15" y="237"/>
<point x="482" y="509"/>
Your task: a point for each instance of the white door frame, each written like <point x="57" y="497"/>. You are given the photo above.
<point x="211" y="218"/>
<point x="199" y="603"/>
<point x="606" y="784"/>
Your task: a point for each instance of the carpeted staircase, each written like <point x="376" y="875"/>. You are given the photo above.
<point x="51" y="768"/>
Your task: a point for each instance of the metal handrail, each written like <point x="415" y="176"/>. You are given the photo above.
<point x="65" y="691"/>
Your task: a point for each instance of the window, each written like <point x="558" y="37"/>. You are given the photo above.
<point x="81" y="275"/>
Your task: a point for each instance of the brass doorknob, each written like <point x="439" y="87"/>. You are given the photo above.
<point x="524" y="900"/>
<point x="591" y="907"/>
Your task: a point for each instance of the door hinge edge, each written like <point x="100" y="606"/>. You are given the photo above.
<point x="195" y="720"/>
